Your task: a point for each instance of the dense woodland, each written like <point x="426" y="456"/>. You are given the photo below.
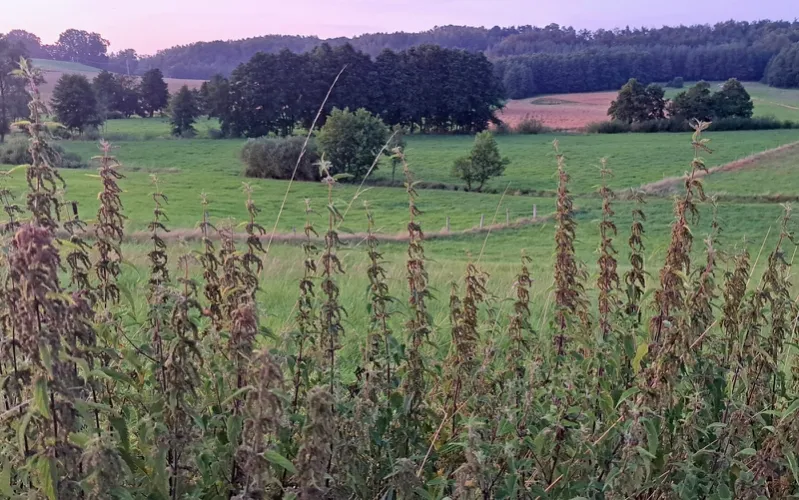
<point x="427" y="88"/>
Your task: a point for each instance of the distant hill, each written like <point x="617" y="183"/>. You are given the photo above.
<point x="54" y="69"/>
<point x="537" y="60"/>
<point x="204" y="59"/>
<point x="47" y="65"/>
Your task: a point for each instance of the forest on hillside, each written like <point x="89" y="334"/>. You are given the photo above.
<point x="529" y="60"/>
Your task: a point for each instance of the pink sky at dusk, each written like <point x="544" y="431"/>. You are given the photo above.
<point x="149" y="25"/>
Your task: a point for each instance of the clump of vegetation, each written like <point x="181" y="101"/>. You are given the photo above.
<point x="483" y="163"/>
<point x="74" y="103"/>
<point x="281" y="158"/>
<point x="530" y="126"/>
<point x="352" y="141"/>
<point x="643" y="109"/>
<point x="183" y="112"/>
<point x="636" y="103"/>
<point x="676" y="83"/>
<point x="17" y="152"/>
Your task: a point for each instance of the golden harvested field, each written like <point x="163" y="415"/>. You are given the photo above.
<point x="561" y="112"/>
<point x="53" y="70"/>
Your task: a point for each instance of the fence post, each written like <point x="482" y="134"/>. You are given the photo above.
<point x="507" y="216"/>
<point x="447" y="226"/>
<point x="535" y="212"/>
<point x="482" y="219"/>
<point x="294" y="230"/>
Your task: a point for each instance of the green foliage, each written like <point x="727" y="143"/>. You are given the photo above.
<point x="427" y="88"/>
<point x="696" y="102"/>
<point x="519" y="81"/>
<point x="154" y="92"/>
<point x="530" y="126"/>
<point x="215" y="96"/>
<point x="353" y="141"/>
<point x="676" y="83"/>
<point x="483" y="163"/>
<point x="183" y="111"/>
<point x="80" y="46"/>
<point x="13" y="99"/>
<point x="783" y="69"/>
<point x="277" y="158"/>
<point x="74" y="103"/>
<point x="732" y="101"/>
<point x="191" y="396"/>
<point x="117" y="95"/>
<point x="636" y="103"/>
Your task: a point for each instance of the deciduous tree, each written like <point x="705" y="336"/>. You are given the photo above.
<point x="732" y="100"/>
<point x="351" y="141"/>
<point x="183" y="111"/>
<point x="154" y="92"/>
<point x="82" y="46"/>
<point x="484" y="162"/>
<point x="74" y="103"/>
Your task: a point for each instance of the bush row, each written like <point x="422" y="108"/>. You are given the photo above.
<point x="680" y="125"/>
<point x="16" y="152"/>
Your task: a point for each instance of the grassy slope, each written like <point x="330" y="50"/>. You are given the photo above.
<point x="189" y="167"/>
<point x="776" y="174"/>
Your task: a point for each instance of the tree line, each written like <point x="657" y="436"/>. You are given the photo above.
<point x="639" y="103"/>
<point x="79" y="46"/>
<point x="607" y="69"/>
<point x="77" y="102"/>
<point x="426" y="88"/>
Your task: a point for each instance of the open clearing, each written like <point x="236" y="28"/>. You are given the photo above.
<point x="573" y="112"/>
<point x="560" y="112"/>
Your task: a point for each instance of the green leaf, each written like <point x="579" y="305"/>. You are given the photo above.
<point x="22" y="430"/>
<point x="790" y="411"/>
<point x="40" y="399"/>
<point x="626" y="394"/>
<point x="49" y="477"/>
<point x="642" y="351"/>
<point x="792" y="464"/>
<point x="236" y="394"/>
<point x="121" y="426"/>
<point x="279" y="460"/>
<point x="5" y="482"/>
<point x="115" y="375"/>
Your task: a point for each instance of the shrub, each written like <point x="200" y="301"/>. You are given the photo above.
<point x="275" y="158"/>
<point x="483" y="163"/>
<point x="15" y="152"/>
<point x="502" y="128"/>
<point x="677" y="124"/>
<point x="676" y="83"/>
<point x="608" y="127"/>
<point x="350" y="141"/>
<point x="759" y="123"/>
<point x="72" y="160"/>
<point x="530" y="126"/>
<point x="215" y="133"/>
<point x="115" y="115"/>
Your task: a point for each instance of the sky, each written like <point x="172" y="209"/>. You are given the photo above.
<point x="149" y="25"/>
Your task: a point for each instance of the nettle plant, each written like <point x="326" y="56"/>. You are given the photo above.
<point x="688" y="392"/>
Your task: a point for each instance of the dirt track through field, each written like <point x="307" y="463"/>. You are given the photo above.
<point x="669" y="185"/>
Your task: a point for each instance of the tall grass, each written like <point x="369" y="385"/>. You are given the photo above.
<point x="689" y="392"/>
